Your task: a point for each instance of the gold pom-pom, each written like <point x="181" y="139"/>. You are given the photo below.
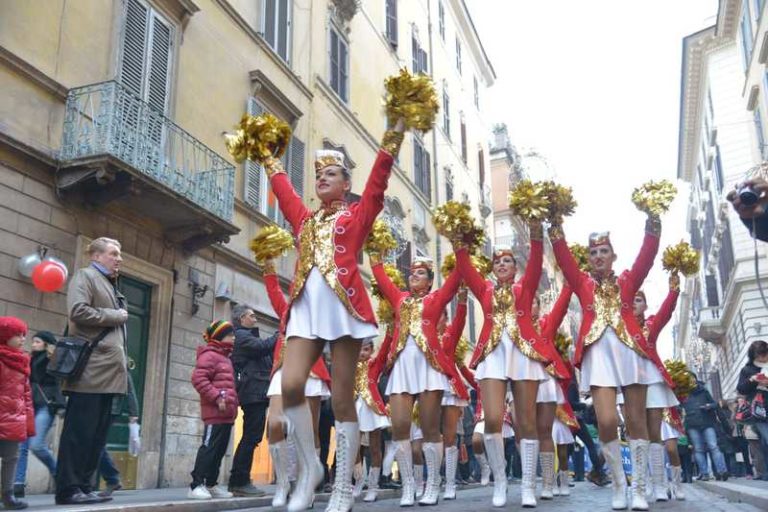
<point x="654" y="197"/>
<point x="683" y="379"/>
<point x="270" y="243"/>
<point x="394" y="275"/>
<point x="454" y="221"/>
<point x="384" y="312"/>
<point x="681" y="258"/>
<point x="581" y="255"/>
<point x="561" y="202"/>
<point x="480" y="261"/>
<point x="563" y="344"/>
<point x="462" y="349"/>
<point x="258" y="138"/>
<point x="529" y="200"/>
<point x="412" y="98"/>
<point x="380" y="239"/>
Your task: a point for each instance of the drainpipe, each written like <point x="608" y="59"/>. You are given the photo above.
<point x="164" y="423"/>
<point x="436" y="194"/>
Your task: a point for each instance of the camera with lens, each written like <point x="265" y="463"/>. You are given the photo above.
<point x="747" y="195"/>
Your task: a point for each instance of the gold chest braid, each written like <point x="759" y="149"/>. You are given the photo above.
<point x="361" y="384"/>
<point x="411" y="312"/>
<point x="317" y="249"/>
<point x="607" y="308"/>
<point x="505" y="320"/>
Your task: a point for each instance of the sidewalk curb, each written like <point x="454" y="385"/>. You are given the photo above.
<point x="734" y="492"/>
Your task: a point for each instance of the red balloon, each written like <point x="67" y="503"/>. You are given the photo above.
<point x="48" y="277"/>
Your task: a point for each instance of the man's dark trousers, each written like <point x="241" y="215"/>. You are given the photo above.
<point x="83" y="437"/>
<point x="254" y="418"/>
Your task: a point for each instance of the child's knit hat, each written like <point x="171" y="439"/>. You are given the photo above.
<point x="11" y="326"/>
<point x="218" y="330"/>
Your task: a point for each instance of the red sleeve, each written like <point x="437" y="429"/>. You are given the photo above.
<point x="664" y="315"/>
<point x="573" y="275"/>
<point x="445" y="293"/>
<point x="558" y="312"/>
<point x="470" y="274"/>
<point x="288" y="200"/>
<point x="469" y="377"/>
<point x="644" y="261"/>
<point x="453" y="331"/>
<point x="377" y="364"/>
<point x="372" y="201"/>
<point x="532" y="276"/>
<point x="30" y="408"/>
<point x="275" y="293"/>
<point x="388" y="289"/>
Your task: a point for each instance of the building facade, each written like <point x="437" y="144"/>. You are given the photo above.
<point x="112" y="120"/>
<point x="722" y="114"/>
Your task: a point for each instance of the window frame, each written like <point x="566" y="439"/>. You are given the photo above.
<point x="446" y="112"/>
<point x="341" y="39"/>
<point x="392" y="37"/>
<point x="458" y="54"/>
<point x="288" y="29"/>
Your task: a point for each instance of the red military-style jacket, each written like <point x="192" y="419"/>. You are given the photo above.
<point x="280" y="305"/>
<point x="548" y="326"/>
<point x="432" y="308"/>
<point x="450" y="341"/>
<point x="376" y="367"/>
<point x="351" y="228"/>
<point x="629" y="282"/>
<point x="523" y="293"/>
<point x="654" y="324"/>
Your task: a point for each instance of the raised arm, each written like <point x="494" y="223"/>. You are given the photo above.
<point x="557" y="314"/>
<point x="565" y="260"/>
<point x="469" y="377"/>
<point x="532" y="275"/>
<point x="647" y="255"/>
<point x="471" y="275"/>
<point x="664" y="315"/>
<point x="275" y="293"/>
<point x="454" y="330"/>
<point x="388" y="289"/>
<point x="377" y="364"/>
<point x="288" y="200"/>
<point x="445" y="293"/>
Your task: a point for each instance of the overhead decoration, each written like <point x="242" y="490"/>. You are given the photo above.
<point x="270" y="243"/>
<point x="681" y="258"/>
<point x="258" y="138"/>
<point x="413" y="99"/>
<point x="654" y="197"/>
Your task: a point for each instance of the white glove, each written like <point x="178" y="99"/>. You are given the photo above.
<point x="134" y="439"/>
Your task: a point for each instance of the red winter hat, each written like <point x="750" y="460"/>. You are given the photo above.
<point x="11" y="326"/>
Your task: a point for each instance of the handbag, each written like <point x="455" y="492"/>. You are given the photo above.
<point x="743" y="412"/>
<point x="71" y="356"/>
<point x="758" y="407"/>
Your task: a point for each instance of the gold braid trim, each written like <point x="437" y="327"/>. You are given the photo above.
<point x="273" y="166"/>
<point x="392" y="141"/>
<point x="556" y="232"/>
<point x="653" y="225"/>
<point x="536" y="231"/>
<point x="268" y="268"/>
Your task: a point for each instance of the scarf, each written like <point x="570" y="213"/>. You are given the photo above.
<point x="15" y="359"/>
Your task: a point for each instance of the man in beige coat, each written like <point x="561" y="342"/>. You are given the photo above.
<point x="96" y="308"/>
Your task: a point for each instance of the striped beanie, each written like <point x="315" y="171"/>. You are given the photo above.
<point x="218" y="330"/>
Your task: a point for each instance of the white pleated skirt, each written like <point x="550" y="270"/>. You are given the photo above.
<point x="368" y="419"/>
<point x="413" y="374"/>
<point x="610" y="363"/>
<point x="506" y="429"/>
<point x="660" y="396"/>
<point x="549" y="392"/>
<point x="451" y="400"/>
<point x="319" y="314"/>
<point x="314" y="386"/>
<point x="522" y="367"/>
<point x="416" y="433"/>
<point x="561" y="434"/>
<point x="668" y="431"/>
<point x="496" y="364"/>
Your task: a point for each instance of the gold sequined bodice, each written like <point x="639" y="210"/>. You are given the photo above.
<point x="505" y="320"/>
<point x="411" y="312"/>
<point x="361" y="384"/>
<point x="317" y="249"/>
<point x="607" y="308"/>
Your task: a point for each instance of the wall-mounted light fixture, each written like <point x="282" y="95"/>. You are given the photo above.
<point x="198" y="291"/>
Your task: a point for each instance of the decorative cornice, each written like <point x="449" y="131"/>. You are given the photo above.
<point x="39" y="154"/>
<point x="182" y="10"/>
<point x="24" y="68"/>
<point x="264" y="86"/>
<point x="728" y="13"/>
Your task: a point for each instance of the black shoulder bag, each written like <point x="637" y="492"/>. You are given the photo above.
<point x="72" y="354"/>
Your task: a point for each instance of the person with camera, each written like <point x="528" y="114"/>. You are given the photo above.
<point x="753" y="384"/>
<point x="97" y="311"/>
<point x="750" y="200"/>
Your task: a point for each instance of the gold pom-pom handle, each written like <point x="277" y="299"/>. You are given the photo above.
<point x="259" y="138"/>
<point x="413" y="99"/>
<point x="654" y="197"/>
<point x="270" y="243"/>
<point x="681" y="258"/>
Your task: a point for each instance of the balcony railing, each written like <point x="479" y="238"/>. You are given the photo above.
<point x="711" y="327"/>
<point x="107" y="119"/>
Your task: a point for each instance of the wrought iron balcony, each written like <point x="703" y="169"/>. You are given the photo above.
<point x="116" y="147"/>
<point x="711" y="326"/>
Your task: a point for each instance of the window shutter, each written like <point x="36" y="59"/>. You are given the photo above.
<point x="392" y="22"/>
<point x="334" y="61"/>
<point x="423" y="67"/>
<point x="296" y="166"/>
<point x="161" y="39"/>
<point x="404" y="261"/>
<point x="252" y="192"/>
<point x="134" y="46"/>
<point x="427" y="177"/>
<point x="283" y="22"/>
<point x="343" y="67"/>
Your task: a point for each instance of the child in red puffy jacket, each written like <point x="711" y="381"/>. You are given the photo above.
<point x="17" y="415"/>
<point x="214" y="378"/>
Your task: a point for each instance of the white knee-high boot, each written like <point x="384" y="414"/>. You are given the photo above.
<point x="676" y="486"/>
<point x="612" y="454"/>
<point x="485" y="469"/>
<point x="279" y="453"/>
<point x="433" y="456"/>
<point x="310" y="470"/>
<point x="494" y="448"/>
<point x="529" y="451"/>
<point x="347" y="445"/>
<point x="404" y="457"/>
<point x="658" y="478"/>
<point x="639" y="450"/>
<point x="451" y="463"/>
<point x="547" y="461"/>
<point x="373" y="484"/>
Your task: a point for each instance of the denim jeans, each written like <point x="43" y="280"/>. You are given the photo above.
<point x="705" y="440"/>
<point x="107" y="469"/>
<point x="37" y="445"/>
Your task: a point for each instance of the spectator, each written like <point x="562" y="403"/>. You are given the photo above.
<point x="754" y="216"/>
<point x="756" y="453"/>
<point x="701" y="425"/>
<point x="686" y="464"/>
<point x="252" y="360"/>
<point x="597" y="474"/>
<point x="97" y="311"/>
<point x="47" y="400"/>
<point x="214" y="379"/>
<point x="17" y="414"/>
<point x="726" y="430"/>
<point x="753" y="382"/>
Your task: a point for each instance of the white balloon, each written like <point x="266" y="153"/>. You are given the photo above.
<point x="60" y="263"/>
<point x="28" y="263"/>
